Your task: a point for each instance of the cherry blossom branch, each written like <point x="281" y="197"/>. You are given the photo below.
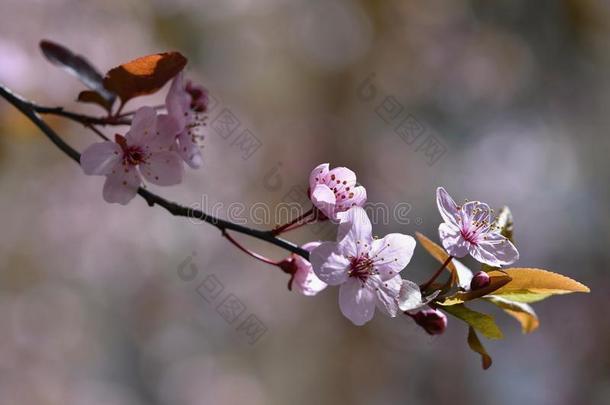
<point x="31" y="111"/>
<point x="82" y="118"/>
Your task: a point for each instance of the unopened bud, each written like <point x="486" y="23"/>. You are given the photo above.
<point x="432" y="320"/>
<point x="480" y="280"/>
<point x="288" y="265"/>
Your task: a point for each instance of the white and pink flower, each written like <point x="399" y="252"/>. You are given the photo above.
<point x="468" y="229"/>
<point x="143" y="152"/>
<point x="185" y="103"/>
<point x="302" y="277"/>
<point x="366" y="269"/>
<point x="335" y="191"/>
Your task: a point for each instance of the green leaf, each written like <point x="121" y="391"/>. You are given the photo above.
<point x="476" y="346"/>
<point x="531" y="285"/>
<point x="77" y="66"/>
<point x="523" y="313"/>
<point x="481" y="322"/>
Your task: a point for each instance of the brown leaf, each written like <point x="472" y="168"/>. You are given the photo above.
<point x="77" y="66"/>
<point x="476" y="346"/>
<point x="144" y="75"/>
<point x="90" y="96"/>
<point x="531" y="285"/>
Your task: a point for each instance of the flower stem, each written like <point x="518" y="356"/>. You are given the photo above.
<point x="427" y="284"/>
<point x="248" y="251"/>
<point x="290" y="225"/>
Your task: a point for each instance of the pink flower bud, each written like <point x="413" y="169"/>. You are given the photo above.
<point x="480" y="280"/>
<point x="432" y="320"/>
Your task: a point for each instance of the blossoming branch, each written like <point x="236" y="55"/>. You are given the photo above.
<point x="162" y="140"/>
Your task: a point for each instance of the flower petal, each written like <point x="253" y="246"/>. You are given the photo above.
<point x="475" y="212"/>
<point x="178" y="100"/>
<point x="142" y="126"/>
<point x="329" y="265"/>
<point x="122" y="185"/>
<point x="324" y="199"/>
<point x="305" y="280"/>
<point x="357" y="302"/>
<point x="340" y="177"/>
<point x="163" y="169"/>
<point x="464" y="274"/>
<point x="167" y="130"/>
<point x="452" y="240"/>
<point x="410" y="296"/>
<point x="189" y="150"/>
<point x="387" y="293"/>
<point x="446" y="206"/>
<point x="101" y="158"/>
<point x="317" y="175"/>
<point x="355" y="233"/>
<point x="494" y="250"/>
<point x="392" y="254"/>
<point x="355" y="197"/>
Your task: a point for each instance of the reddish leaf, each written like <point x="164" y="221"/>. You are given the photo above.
<point x="77" y="66"/>
<point x="90" y="96"/>
<point x="144" y="75"/>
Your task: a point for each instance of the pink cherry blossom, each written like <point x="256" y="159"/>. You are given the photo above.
<point x="468" y="229"/>
<point x="366" y="269"/>
<point x="186" y="103"/>
<point x="303" y="279"/>
<point x="143" y="151"/>
<point x="334" y="191"/>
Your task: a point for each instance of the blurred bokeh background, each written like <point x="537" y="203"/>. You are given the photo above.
<point x="506" y="102"/>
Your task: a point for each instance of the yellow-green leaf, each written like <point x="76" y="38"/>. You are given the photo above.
<point x="497" y="280"/>
<point x="531" y="285"/>
<point x="481" y="322"/>
<point x="522" y="312"/>
<point x="476" y="346"/>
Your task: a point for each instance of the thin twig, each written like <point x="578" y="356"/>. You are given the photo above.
<point x="427" y="284"/>
<point x="31" y="111"/>
<point x="82" y="118"/>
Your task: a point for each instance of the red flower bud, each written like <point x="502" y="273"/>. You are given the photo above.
<point x="480" y="280"/>
<point x="432" y="320"/>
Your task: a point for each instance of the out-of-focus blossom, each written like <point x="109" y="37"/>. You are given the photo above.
<point x="334" y="191"/>
<point x="185" y="103"/>
<point x="367" y="269"/>
<point x="468" y="229"/>
<point x="432" y="320"/>
<point x="143" y="151"/>
<point x="303" y="279"/>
